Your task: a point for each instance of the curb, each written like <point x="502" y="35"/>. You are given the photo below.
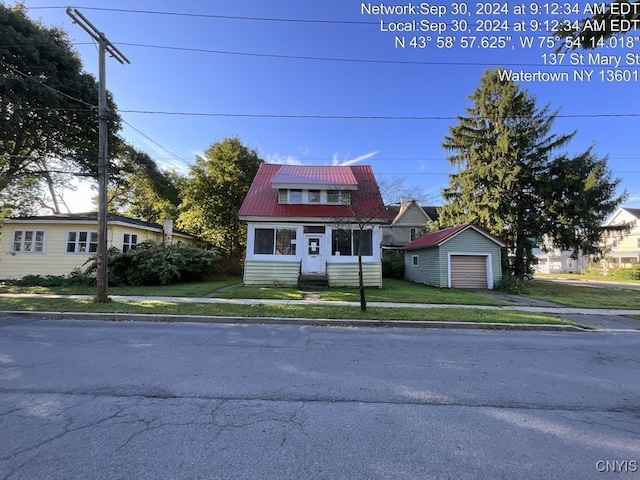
<point x="141" y="317"/>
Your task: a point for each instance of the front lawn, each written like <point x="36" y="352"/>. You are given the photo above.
<point x="401" y="291"/>
<point x="282" y="311"/>
<point x="583" y="296"/>
<point x="191" y="289"/>
<point x="397" y="291"/>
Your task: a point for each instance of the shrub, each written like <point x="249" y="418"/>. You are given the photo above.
<point x="510" y="284"/>
<point x="393" y="264"/>
<point x="632" y="273"/>
<point x="157" y="264"/>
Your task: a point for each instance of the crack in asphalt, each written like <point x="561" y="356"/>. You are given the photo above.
<point x="318" y="399"/>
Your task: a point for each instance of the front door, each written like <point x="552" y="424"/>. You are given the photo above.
<point x="313" y="260"/>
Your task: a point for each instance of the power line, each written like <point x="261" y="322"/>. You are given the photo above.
<point x="357" y="117"/>
<point x="174" y="156"/>
<point x="54" y="90"/>
<point x="221" y="17"/>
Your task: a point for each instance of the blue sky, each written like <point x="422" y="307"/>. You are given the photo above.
<point x="203" y="61"/>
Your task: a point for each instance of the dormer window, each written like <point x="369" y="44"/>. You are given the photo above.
<point x="295" y="196"/>
<point x="314" y="196"/>
<point x="339" y="197"/>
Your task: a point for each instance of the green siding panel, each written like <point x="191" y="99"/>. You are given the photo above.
<point x="271" y="273"/>
<point x="346" y="274"/>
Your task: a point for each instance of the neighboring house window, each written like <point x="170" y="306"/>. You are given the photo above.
<point x="570" y="263"/>
<point x="28" y="241"/>
<point x="415" y="261"/>
<point x="614" y="243"/>
<point x="275" y="241"/>
<point x="637" y="242"/>
<point x="339" y="197"/>
<point x="314" y="196"/>
<point x="129" y="241"/>
<point x="417" y="232"/>
<point x="82" y="242"/>
<point x="347" y="242"/>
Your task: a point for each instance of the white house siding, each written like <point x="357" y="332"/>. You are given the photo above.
<point x="427" y="271"/>
<point x="257" y="272"/>
<point x="469" y="242"/>
<point x="346" y="274"/>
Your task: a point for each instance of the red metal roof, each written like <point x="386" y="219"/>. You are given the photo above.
<point x="314" y="175"/>
<point x="262" y="198"/>
<point x="434" y="239"/>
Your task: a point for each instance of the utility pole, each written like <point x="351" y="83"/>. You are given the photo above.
<point x="104" y="45"/>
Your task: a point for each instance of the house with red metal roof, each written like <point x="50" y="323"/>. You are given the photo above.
<point x="310" y="222"/>
<point x="464" y="256"/>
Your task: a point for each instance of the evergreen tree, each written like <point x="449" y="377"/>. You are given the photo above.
<point x="510" y="178"/>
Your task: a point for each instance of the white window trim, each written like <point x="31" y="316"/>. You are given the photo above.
<point x="77" y="242"/>
<point x="130" y="244"/>
<point x="33" y="242"/>
<point x="415" y="261"/>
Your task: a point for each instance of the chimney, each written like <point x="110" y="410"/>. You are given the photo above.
<point x="167" y="229"/>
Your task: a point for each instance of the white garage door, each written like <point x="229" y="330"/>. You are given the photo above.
<point x="469" y="271"/>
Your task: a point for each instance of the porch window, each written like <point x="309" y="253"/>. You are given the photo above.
<point x="341" y="242"/>
<point x="82" y="242"/>
<point x="285" y="241"/>
<point x="129" y="241"/>
<point x="367" y="242"/>
<point x="275" y="241"/>
<point x="264" y="241"/>
<point x="347" y="242"/>
<point x="28" y="241"/>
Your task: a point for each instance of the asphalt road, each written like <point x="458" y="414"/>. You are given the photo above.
<point x="102" y="400"/>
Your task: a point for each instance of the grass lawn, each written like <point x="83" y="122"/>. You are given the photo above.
<point x="583" y="296"/>
<point x="586" y="276"/>
<point x="392" y="291"/>
<point x="192" y="289"/>
<point x="279" y="293"/>
<point x="283" y="311"/>
<point x="402" y="291"/>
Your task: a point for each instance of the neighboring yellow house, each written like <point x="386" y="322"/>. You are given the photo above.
<point x="58" y="244"/>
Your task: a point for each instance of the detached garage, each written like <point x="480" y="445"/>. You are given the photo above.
<point x="465" y="256"/>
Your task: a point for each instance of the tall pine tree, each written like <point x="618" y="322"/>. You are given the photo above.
<point x="509" y="173"/>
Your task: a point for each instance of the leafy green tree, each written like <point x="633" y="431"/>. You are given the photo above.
<point x="140" y="189"/>
<point x="619" y="17"/>
<point x="512" y="181"/>
<point x="214" y="191"/>
<point x="47" y="114"/>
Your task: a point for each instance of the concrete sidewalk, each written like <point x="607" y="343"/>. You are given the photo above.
<point x="602" y="319"/>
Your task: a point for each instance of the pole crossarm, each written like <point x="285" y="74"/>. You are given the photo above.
<point x="96" y="34"/>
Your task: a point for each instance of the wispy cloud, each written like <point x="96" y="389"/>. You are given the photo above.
<point x="280" y="160"/>
<point x="352" y="161"/>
